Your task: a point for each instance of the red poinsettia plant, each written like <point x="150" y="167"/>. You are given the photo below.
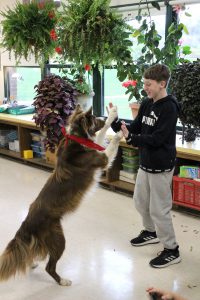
<point x="129" y="83"/>
<point x="133" y="88"/>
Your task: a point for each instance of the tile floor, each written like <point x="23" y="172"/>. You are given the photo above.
<point x="98" y="258"/>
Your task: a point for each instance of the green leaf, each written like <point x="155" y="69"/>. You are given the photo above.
<point x="141" y="39"/>
<point x="155" y="4"/>
<point x="136" y="33"/>
<point x="186" y="50"/>
<point x="187" y="14"/>
<point x="138" y="18"/>
<point x="185" y="29"/>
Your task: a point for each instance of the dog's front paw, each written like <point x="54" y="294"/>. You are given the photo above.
<point x="112" y="115"/>
<point x="119" y="135"/>
<point x="65" y="282"/>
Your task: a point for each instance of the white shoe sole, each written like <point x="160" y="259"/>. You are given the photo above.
<point x="153" y="241"/>
<point x="175" y="261"/>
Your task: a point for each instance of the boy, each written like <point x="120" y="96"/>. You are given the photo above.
<point x="154" y="133"/>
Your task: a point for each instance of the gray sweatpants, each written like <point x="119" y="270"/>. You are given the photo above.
<point x="153" y="200"/>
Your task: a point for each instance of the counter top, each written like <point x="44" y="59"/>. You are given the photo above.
<point x="18" y="119"/>
<point x="187" y="150"/>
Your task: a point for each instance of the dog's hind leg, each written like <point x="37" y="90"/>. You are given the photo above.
<point x="56" y="245"/>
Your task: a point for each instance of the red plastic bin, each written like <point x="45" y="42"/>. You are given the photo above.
<point x="186" y="192"/>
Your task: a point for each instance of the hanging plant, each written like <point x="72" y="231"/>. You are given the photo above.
<point x="148" y="37"/>
<point x="91" y="33"/>
<point x="29" y="29"/>
<point x="54" y="103"/>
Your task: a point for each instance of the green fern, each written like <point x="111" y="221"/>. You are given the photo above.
<point x="92" y="33"/>
<point x="26" y="31"/>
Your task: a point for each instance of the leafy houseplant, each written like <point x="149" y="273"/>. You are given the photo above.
<point x="185" y="85"/>
<point x="54" y="102"/>
<point x="28" y="29"/>
<point x="91" y="33"/>
<point x="80" y="79"/>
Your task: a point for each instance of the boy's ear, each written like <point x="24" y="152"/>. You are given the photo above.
<point x="163" y="83"/>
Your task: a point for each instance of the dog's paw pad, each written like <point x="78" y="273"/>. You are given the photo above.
<point x="65" y="282"/>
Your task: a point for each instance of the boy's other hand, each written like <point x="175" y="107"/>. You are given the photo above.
<point x="124" y="129"/>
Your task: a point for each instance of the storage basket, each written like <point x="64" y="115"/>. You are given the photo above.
<point x="21" y="110"/>
<point x="129" y="168"/>
<point x="129" y="152"/>
<point x="12" y="135"/>
<point x="37" y="137"/>
<point x="131" y="160"/>
<point x="38" y="151"/>
<point x="186" y="192"/>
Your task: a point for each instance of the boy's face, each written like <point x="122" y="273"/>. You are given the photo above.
<point x="154" y="89"/>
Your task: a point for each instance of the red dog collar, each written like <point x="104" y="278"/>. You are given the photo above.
<point x="86" y="142"/>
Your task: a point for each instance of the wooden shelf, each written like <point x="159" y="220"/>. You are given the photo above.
<point x="40" y="162"/>
<point x="24" y="125"/>
<point x="118" y="185"/>
<point x="10" y="153"/>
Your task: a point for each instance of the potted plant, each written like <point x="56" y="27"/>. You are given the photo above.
<point x="91" y="33"/>
<point x="54" y="103"/>
<point x="81" y="80"/>
<point x="185" y="85"/>
<point x="29" y="29"/>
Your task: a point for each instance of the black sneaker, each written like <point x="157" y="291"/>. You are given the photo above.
<point x="145" y="237"/>
<point x="166" y="258"/>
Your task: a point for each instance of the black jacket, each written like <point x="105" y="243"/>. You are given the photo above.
<point x="154" y="133"/>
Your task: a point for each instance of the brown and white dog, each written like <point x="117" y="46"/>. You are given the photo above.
<point x="41" y="233"/>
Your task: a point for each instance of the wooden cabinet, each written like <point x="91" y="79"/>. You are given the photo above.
<point x="187" y="153"/>
<point x="24" y="125"/>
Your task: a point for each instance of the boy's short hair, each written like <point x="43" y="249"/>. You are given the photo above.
<point x="158" y="72"/>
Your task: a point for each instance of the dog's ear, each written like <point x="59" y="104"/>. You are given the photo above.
<point x="88" y="112"/>
<point x="78" y="108"/>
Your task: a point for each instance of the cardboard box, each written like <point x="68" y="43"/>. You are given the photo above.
<point x="50" y="157"/>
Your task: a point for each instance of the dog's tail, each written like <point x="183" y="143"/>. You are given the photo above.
<point x="18" y="255"/>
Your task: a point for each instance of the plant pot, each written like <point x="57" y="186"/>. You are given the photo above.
<point x="86" y="101"/>
<point x="134" y="108"/>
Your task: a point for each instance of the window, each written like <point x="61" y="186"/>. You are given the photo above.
<point x="20" y="82"/>
<point x="192" y="23"/>
<point x="54" y="69"/>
